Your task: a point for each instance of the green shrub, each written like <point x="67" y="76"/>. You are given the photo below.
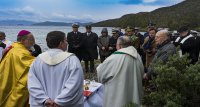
<point x="177" y="83"/>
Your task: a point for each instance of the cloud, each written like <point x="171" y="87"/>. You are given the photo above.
<point x="149" y="1"/>
<point x="29" y="13"/>
<point x="131" y="9"/>
<point x="23" y="11"/>
<point x="79" y="10"/>
<point x="162" y="2"/>
<point x="58" y="15"/>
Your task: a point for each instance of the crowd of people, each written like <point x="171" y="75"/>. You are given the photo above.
<point x="55" y="78"/>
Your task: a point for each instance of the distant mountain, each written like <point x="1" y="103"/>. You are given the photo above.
<point x="15" y="23"/>
<point x="48" y="23"/>
<point x="186" y="12"/>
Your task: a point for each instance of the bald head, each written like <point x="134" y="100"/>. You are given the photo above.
<point x="162" y="36"/>
<point x="123" y="42"/>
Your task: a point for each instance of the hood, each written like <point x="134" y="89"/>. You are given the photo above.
<point x="54" y="56"/>
<point x="130" y="51"/>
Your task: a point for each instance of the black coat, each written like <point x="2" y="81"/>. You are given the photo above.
<point x="112" y="43"/>
<point x="141" y="39"/>
<point x="2" y="45"/>
<point x="189" y="46"/>
<point x="75" y="43"/>
<point x="90" y="46"/>
<point x="37" y="51"/>
<point x="197" y="43"/>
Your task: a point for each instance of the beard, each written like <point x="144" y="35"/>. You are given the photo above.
<point x="29" y="47"/>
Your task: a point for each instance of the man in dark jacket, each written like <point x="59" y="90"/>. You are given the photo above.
<point x="89" y="48"/>
<point x="141" y="40"/>
<point x="113" y="41"/>
<point x="74" y="39"/>
<point x="187" y="43"/>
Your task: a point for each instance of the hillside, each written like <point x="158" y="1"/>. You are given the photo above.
<point x="15" y="23"/>
<point x="48" y="23"/>
<point x="186" y="12"/>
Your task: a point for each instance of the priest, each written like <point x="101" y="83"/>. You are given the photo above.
<point x="121" y="74"/>
<point x="14" y="69"/>
<point x="56" y="77"/>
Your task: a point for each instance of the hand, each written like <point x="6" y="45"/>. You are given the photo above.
<point x="56" y="105"/>
<point x="110" y="48"/>
<point x="103" y="48"/>
<point x="49" y="103"/>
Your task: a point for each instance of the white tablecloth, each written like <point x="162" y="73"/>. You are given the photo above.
<point x="96" y="98"/>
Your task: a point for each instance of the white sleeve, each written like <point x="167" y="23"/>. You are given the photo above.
<point x="1" y="52"/>
<point x="104" y="70"/>
<point x="34" y="86"/>
<point x="73" y="89"/>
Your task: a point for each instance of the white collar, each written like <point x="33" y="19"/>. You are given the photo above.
<point x="54" y="56"/>
<point x="129" y="50"/>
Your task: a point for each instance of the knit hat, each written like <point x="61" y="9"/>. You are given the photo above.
<point x="23" y="33"/>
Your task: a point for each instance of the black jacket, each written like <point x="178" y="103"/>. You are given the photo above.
<point x="2" y="45"/>
<point x="75" y="43"/>
<point x="37" y="51"/>
<point x="188" y="46"/>
<point x="90" y="46"/>
<point x="112" y="43"/>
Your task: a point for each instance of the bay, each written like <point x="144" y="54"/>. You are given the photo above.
<point x="40" y="32"/>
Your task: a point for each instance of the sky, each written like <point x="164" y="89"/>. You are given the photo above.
<point x="76" y="10"/>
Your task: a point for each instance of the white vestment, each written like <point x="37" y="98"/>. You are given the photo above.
<point x="1" y="52"/>
<point x="56" y="75"/>
<point x="8" y="43"/>
<point x="121" y="74"/>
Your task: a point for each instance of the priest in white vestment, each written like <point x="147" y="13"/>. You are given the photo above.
<point x="56" y="77"/>
<point x="121" y="74"/>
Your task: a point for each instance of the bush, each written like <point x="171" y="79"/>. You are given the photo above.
<point x="177" y="83"/>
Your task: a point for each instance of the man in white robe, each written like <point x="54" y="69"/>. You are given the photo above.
<point x="121" y="74"/>
<point x="56" y="77"/>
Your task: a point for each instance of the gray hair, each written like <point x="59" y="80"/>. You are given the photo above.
<point x="19" y="38"/>
<point x="124" y="41"/>
<point x="164" y="32"/>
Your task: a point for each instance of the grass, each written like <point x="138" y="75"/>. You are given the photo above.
<point x="91" y="75"/>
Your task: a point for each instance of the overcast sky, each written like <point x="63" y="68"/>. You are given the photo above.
<point x="76" y="10"/>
